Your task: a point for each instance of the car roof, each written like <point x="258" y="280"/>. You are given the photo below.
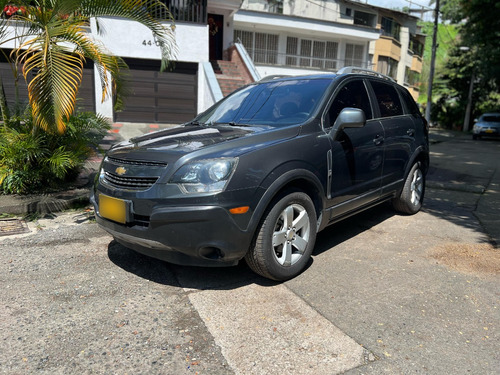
<point x="346" y="71"/>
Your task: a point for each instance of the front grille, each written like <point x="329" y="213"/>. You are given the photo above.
<point x="132" y="183"/>
<point x="137" y="162"/>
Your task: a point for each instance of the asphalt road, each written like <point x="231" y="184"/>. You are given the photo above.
<point x="384" y="294"/>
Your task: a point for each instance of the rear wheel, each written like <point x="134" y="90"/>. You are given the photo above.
<point x="412" y="195"/>
<point x="285" y="239"/>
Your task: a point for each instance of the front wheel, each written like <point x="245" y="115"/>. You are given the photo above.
<point x="412" y="196"/>
<point x="285" y="238"/>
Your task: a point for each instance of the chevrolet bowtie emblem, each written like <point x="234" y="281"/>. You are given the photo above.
<point x="120" y="171"/>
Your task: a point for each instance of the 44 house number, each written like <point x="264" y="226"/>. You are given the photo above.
<point x="152" y="43"/>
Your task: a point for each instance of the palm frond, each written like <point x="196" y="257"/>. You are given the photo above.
<point x="52" y="92"/>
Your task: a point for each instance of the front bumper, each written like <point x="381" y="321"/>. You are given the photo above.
<point x="191" y="235"/>
<point x="486" y="132"/>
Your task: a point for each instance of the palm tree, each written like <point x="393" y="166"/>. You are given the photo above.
<point x="53" y="43"/>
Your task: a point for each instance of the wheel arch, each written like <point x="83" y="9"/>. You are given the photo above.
<point x="291" y="181"/>
<point x="421" y="155"/>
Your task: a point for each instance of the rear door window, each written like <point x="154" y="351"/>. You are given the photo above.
<point x="388" y="99"/>
<point x="411" y="106"/>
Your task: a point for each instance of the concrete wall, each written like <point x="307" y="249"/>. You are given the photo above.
<point x="133" y="40"/>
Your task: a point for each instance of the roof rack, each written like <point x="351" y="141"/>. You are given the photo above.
<point x="354" y="69"/>
<point x="274" y="76"/>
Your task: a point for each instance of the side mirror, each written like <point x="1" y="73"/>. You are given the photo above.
<point x="349" y="118"/>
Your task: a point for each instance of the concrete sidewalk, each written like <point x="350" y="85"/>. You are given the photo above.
<point x="457" y="166"/>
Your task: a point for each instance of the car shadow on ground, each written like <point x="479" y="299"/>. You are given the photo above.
<point x="202" y="278"/>
<point x="351" y="227"/>
<point x="227" y="278"/>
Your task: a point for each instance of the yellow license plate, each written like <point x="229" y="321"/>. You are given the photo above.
<point x="488" y="131"/>
<point x="113" y="209"/>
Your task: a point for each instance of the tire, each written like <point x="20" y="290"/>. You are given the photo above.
<point x="474" y="136"/>
<point x="412" y="196"/>
<point x="285" y="238"/>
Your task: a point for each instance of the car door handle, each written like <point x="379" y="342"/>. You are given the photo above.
<point x="410" y="132"/>
<point x="378" y="140"/>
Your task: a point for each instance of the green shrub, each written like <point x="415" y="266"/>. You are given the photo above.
<point x="32" y="160"/>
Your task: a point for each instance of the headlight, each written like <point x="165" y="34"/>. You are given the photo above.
<point x="204" y="176"/>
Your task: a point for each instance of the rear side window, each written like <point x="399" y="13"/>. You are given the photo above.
<point x="387" y="99"/>
<point x="411" y="106"/>
<point x="353" y="94"/>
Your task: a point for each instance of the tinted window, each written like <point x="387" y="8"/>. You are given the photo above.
<point x="353" y="94"/>
<point x="490" y="118"/>
<point x="411" y="106"/>
<point x="387" y="99"/>
<point x="274" y="103"/>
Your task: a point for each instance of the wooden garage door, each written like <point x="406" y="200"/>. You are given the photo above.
<point x="154" y="96"/>
<point x="86" y="94"/>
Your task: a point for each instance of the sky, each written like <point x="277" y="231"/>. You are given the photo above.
<point x="396" y="3"/>
<point x="390" y="4"/>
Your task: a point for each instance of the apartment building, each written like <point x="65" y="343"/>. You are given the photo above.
<point x="303" y="36"/>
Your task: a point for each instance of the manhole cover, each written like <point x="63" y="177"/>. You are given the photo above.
<point x="13" y="226"/>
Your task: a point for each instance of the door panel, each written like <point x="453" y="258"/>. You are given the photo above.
<point x="357" y="153"/>
<point x="399" y="131"/>
<point x="357" y="161"/>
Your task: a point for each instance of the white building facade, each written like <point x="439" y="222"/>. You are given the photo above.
<point x="281" y="37"/>
<point x="302" y="36"/>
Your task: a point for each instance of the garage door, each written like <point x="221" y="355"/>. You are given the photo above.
<point x="9" y="85"/>
<point x="154" y="96"/>
<point x="86" y="95"/>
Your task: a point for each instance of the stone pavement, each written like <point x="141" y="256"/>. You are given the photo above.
<point x="456" y="167"/>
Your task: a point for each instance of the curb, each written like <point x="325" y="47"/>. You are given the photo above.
<point x="44" y="204"/>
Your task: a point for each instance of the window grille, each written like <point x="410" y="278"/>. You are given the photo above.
<point x="262" y="47"/>
<point x="354" y="54"/>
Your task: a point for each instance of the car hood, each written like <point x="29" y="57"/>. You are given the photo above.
<point x="169" y="145"/>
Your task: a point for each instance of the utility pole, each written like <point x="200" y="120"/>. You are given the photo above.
<point x="468" y="109"/>
<point x="433" y="62"/>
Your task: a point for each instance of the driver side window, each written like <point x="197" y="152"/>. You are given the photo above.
<point x="353" y="94"/>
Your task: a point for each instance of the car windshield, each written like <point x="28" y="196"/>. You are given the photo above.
<point x="274" y="103"/>
<point x="491" y="118"/>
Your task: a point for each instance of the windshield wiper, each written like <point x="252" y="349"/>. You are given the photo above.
<point x="231" y="123"/>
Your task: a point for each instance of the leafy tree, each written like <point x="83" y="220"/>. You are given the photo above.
<point x="52" y="41"/>
<point x="481" y="32"/>
<point x="473" y="54"/>
<point x="450" y="10"/>
<point x="446" y="38"/>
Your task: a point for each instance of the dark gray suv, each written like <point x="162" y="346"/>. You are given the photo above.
<point x="257" y="175"/>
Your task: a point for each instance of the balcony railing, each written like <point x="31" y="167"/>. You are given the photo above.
<point x="194" y="11"/>
<point x="267" y="57"/>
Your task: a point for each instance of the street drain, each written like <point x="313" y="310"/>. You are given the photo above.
<point x="13" y="226"/>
